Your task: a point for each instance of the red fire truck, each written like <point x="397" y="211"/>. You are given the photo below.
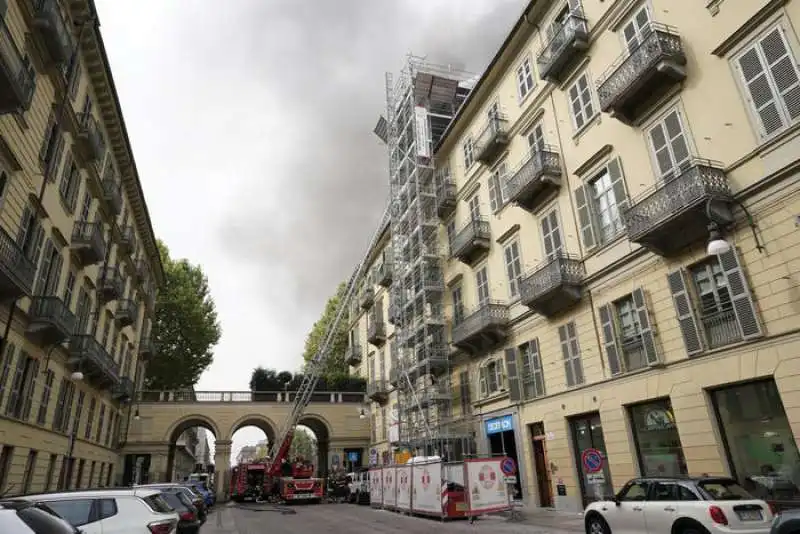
<point x="295" y="482"/>
<point x="249" y="482"/>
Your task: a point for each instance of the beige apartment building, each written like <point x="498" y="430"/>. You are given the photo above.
<point x="579" y="186"/>
<point x="79" y="267"/>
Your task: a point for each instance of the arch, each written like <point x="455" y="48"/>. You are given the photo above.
<point x="188" y="421"/>
<point x="260" y="421"/>
<point x="318" y="425"/>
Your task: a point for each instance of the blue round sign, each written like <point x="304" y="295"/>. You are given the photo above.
<point x="508" y="466"/>
<point x="592" y="460"/>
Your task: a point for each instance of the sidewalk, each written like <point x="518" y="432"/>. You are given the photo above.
<point x="546" y="518"/>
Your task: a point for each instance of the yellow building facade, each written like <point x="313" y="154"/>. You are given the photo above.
<point x="79" y="266"/>
<point x="597" y="154"/>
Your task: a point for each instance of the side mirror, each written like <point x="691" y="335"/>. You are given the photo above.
<point x="616" y="500"/>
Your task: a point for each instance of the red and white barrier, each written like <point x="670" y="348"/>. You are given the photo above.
<point x="376" y="487"/>
<point x="403" y="503"/>
<point x="485" y="485"/>
<point x="390" y="487"/>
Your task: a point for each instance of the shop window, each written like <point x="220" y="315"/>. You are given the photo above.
<point x="761" y="448"/>
<point x="587" y="437"/>
<point x="658" y="444"/>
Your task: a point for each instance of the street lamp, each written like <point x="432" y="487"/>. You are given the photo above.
<point x="136" y="414"/>
<point x="716" y="243"/>
<point x="362" y="414"/>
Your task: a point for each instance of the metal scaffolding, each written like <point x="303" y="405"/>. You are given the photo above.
<point x="419" y="107"/>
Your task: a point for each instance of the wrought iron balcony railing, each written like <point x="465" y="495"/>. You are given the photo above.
<point x="445" y="199"/>
<point x="383" y="274"/>
<point x="51" y="321"/>
<point x="91" y="138"/>
<point x="642" y="74"/>
<point x="112" y="194"/>
<point x="367" y="297"/>
<point x="554" y="286"/>
<point x="51" y="25"/>
<point x="673" y="216"/>
<point x="88" y="356"/>
<point x="484" y="328"/>
<point x="376" y="332"/>
<point x="88" y="242"/>
<point x="123" y="390"/>
<point x="492" y="140"/>
<point x="110" y="283"/>
<point x="354" y="355"/>
<point x="147" y="348"/>
<point x="16" y="270"/>
<point x="563" y="46"/>
<point x="127" y="312"/>
<point x="535" y="179"/>
<point x="472" y="241"/>
<point x="128" y="239"/>
<point x="17" y="77"/>
<point x="378" y="390"/>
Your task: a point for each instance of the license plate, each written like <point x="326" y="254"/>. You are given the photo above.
<point x="750" y="515"/>
<point x="303" y="496"/>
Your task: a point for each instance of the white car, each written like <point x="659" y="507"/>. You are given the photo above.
<point x="696" y="505"/>
<point x="117" y="511"/>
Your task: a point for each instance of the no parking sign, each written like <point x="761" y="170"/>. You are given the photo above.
<point x="592" y="461"/>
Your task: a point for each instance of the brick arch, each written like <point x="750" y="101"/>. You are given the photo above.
<point x="260" y="421"/>
<point x="188" y="421"/>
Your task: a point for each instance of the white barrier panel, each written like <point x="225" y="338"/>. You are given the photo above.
<point x="389" y="487"/>
<point x="375" y="487"/>
<point x="486" y="486"/>
<point x="404" y="487"/>
<point x="453" y="472"/>
<point x="426" y="483"/>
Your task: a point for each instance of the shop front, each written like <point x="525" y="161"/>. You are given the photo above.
<point x="759" y="443"/>
<point x="501" y="437"/>
<point x="594" y="474"/>
<point x="658" y="446"/>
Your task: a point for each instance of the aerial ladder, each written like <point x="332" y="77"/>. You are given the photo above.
<point x="279" y="450"/>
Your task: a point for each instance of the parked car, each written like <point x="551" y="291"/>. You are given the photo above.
<point x="695" y="505"/>
<point x="200" y="486"/>
<point x="21" y="517"/>
<point x="194" y="496"/>
<point x="188" y="520"/>
<point x="117" y="510"/>
<point x="786" y="522"/>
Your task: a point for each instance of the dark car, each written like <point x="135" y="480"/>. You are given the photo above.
<point x="20" y="517"/>
<point x="188" y="520"/>
<point x="787" y="522"/>
<point x="194" y="496"/>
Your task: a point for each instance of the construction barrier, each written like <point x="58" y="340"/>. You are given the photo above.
<point x="403" y="488"/>
<point x="486" y="484"/>
<point x="376" y="487"/>
<point x="389" y="487"/>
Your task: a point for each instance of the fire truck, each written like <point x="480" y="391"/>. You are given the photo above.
<point x="249" y="482"/>
<point x="295" y="482"/>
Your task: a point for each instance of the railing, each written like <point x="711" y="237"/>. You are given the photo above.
<point x="127" y="311"/>
<point x="129" y="238"/>
<point x="383" y="274"/>
<point x="495" y="131"/>
<point x="17" y="71"/>
<point x="554" y="51"/>
<point x="445" y="198"/>
<point x="540" y="161"/>
<point x="91" y="234"/>
<point x="19" y="268"/>
<point x="53" y="309"/>
<point x="474" y="229"/>
<point x="562" y="270"/>
<point x="111" y="280"/>
<point x="700" y="181"/>
<point x="51" y="24"/>
<point x="376" y="330"/>
<point x="378" y="388"/>
<point x="147" y="346"/>
<point x="188" y="396"/>
<point x="721" y="328"/>
<point x="112" y="193"/>
<point x="633" y="354"/>
<point x="86" y="347"/>
<point x="94" y="137"/>
<point x="123" y="389"/>
<point x="367" y="297"/>
<point x="353" y="355"/>
<point x="660" y="43"/>
<point x="487" y="315"/>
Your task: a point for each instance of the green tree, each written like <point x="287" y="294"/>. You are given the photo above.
<point x="335" y="369"/>
<point x="185" y="329"/>
<point x="303" y="444"/>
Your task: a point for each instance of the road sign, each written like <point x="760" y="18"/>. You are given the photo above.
<point x="508" y="466"/>
<point x="592" y="460"/>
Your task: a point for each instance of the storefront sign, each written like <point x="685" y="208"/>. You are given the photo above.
<point x="499" y="424"/>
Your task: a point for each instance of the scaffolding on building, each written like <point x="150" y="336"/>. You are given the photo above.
<point x="420" y="105"/>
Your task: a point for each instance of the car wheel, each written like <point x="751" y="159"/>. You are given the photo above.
<point x="595" y="524"/>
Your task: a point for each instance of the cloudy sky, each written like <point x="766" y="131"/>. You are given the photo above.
<point x="251" y="123"/>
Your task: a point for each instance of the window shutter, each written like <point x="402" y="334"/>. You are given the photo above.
<point x="44" y="269"/>
<point x="537" y="374"/>
<point x="646" y="325"/>
<point x="741" y="297"/>
<point x="30" y="389"/>
<point x="54" y="277"/>
<point x="585" y="217"/>
<point x="673" y="125"/>
<point x="684" y="308"/>
<point x="16" y="385"/>
<point x="74" y="79"/>
<point x="577" y="108"/>
<point x="66" y="176"/>
<point x="483" y="386"/>
<point x="38" y="241"/>
<point x="58" y="416"/>
<point x="783" y="68"/>
<point x="618" y="183"/>
<point x="494" y="193"/>
<point x="761" y="94"/>
<point x="658" y="142"/>
<point x="514" y="393"/>
<point x="56" y="158"/>
<point x="565" y="352"/>
<point x="610" y="339"/>
<point x="48" y="133"/>
<point x="24" y="226"/>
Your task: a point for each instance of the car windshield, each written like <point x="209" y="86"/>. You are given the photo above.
<point x="724" y="490"/>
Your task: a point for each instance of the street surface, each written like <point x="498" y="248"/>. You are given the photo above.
<point x="353" y="519"/>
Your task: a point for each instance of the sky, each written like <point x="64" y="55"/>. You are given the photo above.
<point x="251" y="125"/>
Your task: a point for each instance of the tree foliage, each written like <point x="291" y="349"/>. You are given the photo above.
<point x="271" y="380"/>
<point x="334" y="369"/>
<point x="186" y="327"/>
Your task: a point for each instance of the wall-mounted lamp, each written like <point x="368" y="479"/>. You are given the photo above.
<point x="362" y="414"/>
<point x="76" y="376"/>
<point x="717" y="244"/>
<point x="136" y="414"/>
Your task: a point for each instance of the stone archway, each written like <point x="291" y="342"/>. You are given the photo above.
<point x="322" y="431"/>
<point x="176" y="430"/>
<point x="263" y="423"/>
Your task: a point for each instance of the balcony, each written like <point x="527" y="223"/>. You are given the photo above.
<point x="492" y="140"/>
<point x="378" y="390"/>
<point x="110" y="284"/>
<point x="128" y="241"/>
<point x="88" y="242"/>
<point x="112" y="194"/>
<point x="436" y="393"/>
<point x="675" y="214"/>
<point x="90" y="138"/>
<point x="376" y="332"/>
<point x="17" y="77"/>
<point x="49" y="22"/>
<point x="353" y="355"/>
<point x="483" y="329"/>
<point x="536" y="179"/>
<point x="127" y="312"/>
<point x="123" y="390"/>
<point x="472" y="241"/>
<point x="366" y="298"/>
<point x="429" y="360"/>
<point x="51" y="321"/>
<point x="445" y="199"/>
<point x="16" y="270"/>
<point x="641" y="76"/>
<point x="564" y="47"/>
<point x="147" y="348"/>
<point x="88" y="356"/>
<point x="383" y="275"/>
<point x="554" y="286"/>
<point x="141" y="269"/>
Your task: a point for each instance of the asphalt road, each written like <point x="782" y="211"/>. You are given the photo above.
<point x="351" y="519"/>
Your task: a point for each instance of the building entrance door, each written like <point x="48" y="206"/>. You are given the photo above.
<point x="540" y="465"/>
<point x="587" y="436"/>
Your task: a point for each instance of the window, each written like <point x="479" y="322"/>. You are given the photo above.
<point x="458" y="304"/>
<point x="768" y="71"/>
<point x="50" y="377"/>
<point x="637" y="28"/>
<point x="5" y="465"/>
<point x="536" y="138"/>
<point x="551" y="235"/>
<point x="532" y="373"/>
<point x="634" y="491"/>
<point x="451" y="231"/>
<point x="69" y="288"/>
<point x="78" y="412"/>
<point x="70" y="183"/>
<point x="469" y="153"/>
<point x="87" y="206"/>
<point x="49" y="274"/>
<point x="465" y="396"/>
<point x="22" y="385"/>
<point x="525" y="80"/>
<point x="513" y="267"/>
<point x="76" y="512"/>
<point x="474" y="207"/>
<point x="90" y="419"/>
<point x="571" y="352"/>
<point x="497" y="180"/>
<point x="715" y="305"/>
<point x="669" y="145"/>
<point x="51" y="470"/>
<point x="492" y="378"/>
<point x="27" y="475"/>
<point x="107" y="324"/>
<point x="599" y="203"/>
<point x="5" y="370"/>
<point x="51" y="149"/>
<point x="658" y="445"/>
<point x="83" y="311"/>
<point x="627" y="334"/>
<point x="79" y="476"/>
<point x="100" y="422"/>
<point x="482" y="285"/>
<point x="580" y="101"/>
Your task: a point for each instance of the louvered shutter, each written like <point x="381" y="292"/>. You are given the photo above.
<point x="684" y="309"/>
<point x="741" y="297"/>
